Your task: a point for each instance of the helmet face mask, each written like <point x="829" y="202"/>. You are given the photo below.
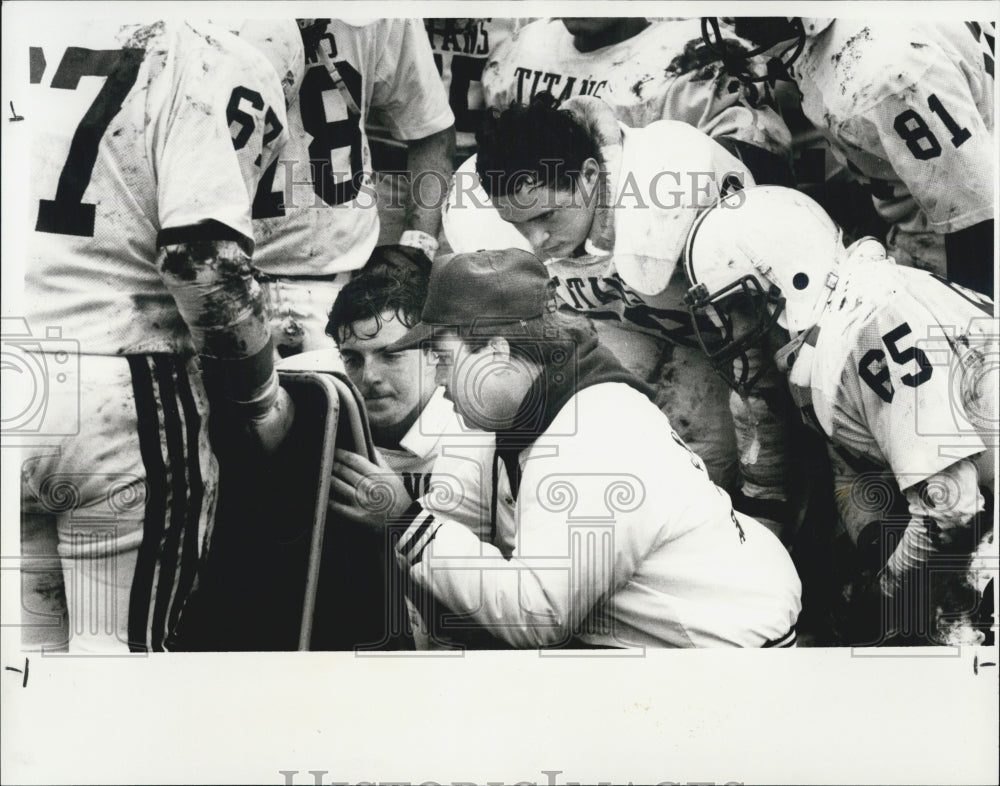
<point x="765" y="33"/>
<point x="733" y="322"/>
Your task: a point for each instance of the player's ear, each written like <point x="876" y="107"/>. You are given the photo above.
<point x="500" y="349"/>
<point x="590" y="171"/>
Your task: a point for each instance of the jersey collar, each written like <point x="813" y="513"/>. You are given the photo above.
<point x="435" y="421"/>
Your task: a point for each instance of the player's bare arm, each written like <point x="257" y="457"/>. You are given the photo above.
<point x="223" y="305"/>
<point x="429" y="162"/>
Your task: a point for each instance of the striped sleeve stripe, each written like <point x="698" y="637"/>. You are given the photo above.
<point x="419" y="532"/>
<point x="788" y="640"/>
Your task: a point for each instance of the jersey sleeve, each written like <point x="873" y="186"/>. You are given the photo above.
<point x="498" y="84"/>
<point x="903" y="393"/>
<point x="408" y="96"/>
<point x="457" y="491"/>
<point x="721" y="108"/>
<point x="280" y="42"/>
<point x="217" y="122"/>
<point x="936" y="141"/>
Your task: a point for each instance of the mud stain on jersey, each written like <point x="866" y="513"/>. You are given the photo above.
<point x="140" y="38"/>
<point x="185" y="262"/>
<point x="848" y="57"/>
<point x="864" y="34"/>
<point x="917" y="45"/>
<point x="638" y="86"/>
<point x="697" y="58"/>
<point x="161" y="311"/>
<point x="201" y="106"/>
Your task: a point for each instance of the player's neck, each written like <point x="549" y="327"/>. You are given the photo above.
<point x="613" y="35"/>
<point x="389" y="437"/>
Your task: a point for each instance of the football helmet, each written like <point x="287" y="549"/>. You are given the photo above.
<point x="765" y="33"/>
<point x="762" y="256"/>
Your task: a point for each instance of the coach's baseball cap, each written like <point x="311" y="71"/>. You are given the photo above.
<point x="480" y="288"/>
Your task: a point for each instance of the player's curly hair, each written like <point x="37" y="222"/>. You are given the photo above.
<point x="389" y="282"/>
<point x="534" y="144"/>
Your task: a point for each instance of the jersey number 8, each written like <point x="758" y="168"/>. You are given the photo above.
<point x="328" y="137"/>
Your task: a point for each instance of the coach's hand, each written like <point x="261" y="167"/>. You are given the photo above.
<point x="364" y="492"/>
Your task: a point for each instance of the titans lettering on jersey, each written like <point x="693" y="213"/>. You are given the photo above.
<point x="602" y="294"/>
<point x="461" y="48"/>
<point x="562" y="86"/>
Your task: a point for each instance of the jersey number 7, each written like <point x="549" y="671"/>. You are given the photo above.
<point x="68" y="214"/>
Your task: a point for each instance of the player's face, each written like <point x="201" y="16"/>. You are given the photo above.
<point x="473" y="382"/>
<point x="555" y="222"/>
<point x="395" y="386"/>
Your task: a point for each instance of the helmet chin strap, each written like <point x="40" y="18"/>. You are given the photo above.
<point x="785" y="357"/>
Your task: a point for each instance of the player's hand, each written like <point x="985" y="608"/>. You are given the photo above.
<point x="265" y="432"/>
<point x="364" y="492"/>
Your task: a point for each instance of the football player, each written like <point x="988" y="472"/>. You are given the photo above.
<point x="897" y="367"/>
<point x="414" y="427"/>
<point x="645" y="71"/>
<point x="909" y="107"/>
<point x="315" y="211"/>
<point x="150" y="141"/>
<point x="608" y="207"/>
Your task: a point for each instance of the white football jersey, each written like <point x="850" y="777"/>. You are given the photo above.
<point x="663" y="73"/>
<point x="315" y="212"/>
<point x="909" y="107"/>
<point x="461" y="48"/>
<point x="134" y="131"/>
<point x="901" y="372"/>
